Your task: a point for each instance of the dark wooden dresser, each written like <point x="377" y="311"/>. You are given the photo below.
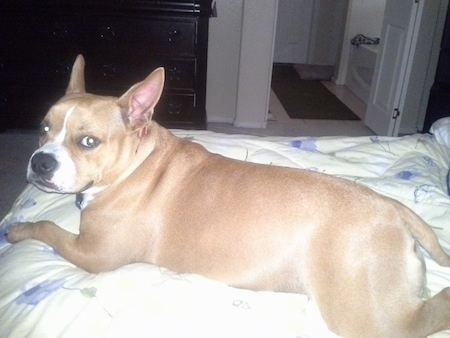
<point x="122" y="42"/>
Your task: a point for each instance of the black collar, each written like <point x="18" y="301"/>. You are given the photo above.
<point x="79" y="200"/>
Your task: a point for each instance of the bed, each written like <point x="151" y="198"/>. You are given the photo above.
<point x="42" y="295"/>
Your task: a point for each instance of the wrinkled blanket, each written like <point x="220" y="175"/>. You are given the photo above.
<point x="42" y="295"/>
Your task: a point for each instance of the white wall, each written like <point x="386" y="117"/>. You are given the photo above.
<point x="327" y="30"/>
<point x="240" y="56"/>
<point x="223" y="61"/>
<point x="256" y="59"/>
<point x="293" y="31"/>
<point x="367" y="17"/>
<point x="310" y="31"/>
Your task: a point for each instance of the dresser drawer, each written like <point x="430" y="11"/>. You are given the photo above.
<point x="28" y="31"/>
<point x="178" y="108"/>
<point x="35" y="69"/>
<point x="25" y="107"/>
<point x="122" y="71"/>
<point x="145" y="35"/>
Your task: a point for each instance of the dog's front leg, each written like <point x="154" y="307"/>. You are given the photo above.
<point x="84" y="250"/>
<point x="64" y="242"/>
<point x="45" y="231"/>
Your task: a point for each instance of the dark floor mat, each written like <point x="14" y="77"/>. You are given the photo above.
<point x="307" y="99"/>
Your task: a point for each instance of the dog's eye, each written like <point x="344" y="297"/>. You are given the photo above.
<point x="89" y="142"/>
<point x="44" y="129"/>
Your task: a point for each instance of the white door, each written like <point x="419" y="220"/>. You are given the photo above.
<point x="393" y="66"/>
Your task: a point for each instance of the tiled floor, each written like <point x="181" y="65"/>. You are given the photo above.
<point x="281" y="125"/>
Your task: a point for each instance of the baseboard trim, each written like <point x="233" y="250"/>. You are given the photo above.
<point x="250" y="125"/>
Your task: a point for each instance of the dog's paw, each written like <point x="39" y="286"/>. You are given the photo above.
<point x="18" y="232"/>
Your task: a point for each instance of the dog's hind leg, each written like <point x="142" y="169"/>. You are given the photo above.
<point x="396" y="315"/>
<point x="432" y="316"/>
<point x="378" y="292"/>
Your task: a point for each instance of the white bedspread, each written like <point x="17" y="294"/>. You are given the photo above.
<point x="42" y="295"/>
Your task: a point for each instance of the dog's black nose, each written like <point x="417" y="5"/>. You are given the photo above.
<point x="44" y="164"/>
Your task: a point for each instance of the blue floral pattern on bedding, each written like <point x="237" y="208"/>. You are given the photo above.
<point x="39" y="292"/>
<point x="308" y="144"/>
<point x="430" y="162"/>
<point x="423" y="192"/>
<point x="29" y="203"/>
<point x="407" y="175"/>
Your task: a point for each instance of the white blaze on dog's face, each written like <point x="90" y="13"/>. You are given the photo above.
<point x="81" y="138"/>
<point x="87" y="140"/>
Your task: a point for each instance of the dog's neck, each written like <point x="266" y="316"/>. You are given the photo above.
<point x="143" y="149"/>
<point x="82" y="199"/>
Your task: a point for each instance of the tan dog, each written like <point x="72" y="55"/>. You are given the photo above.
<point x="151" y="197"/>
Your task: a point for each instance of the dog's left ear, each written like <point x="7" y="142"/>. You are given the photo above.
<point x="140" y="100"/>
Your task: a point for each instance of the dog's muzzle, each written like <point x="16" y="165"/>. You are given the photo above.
<point x="43" y="166"/>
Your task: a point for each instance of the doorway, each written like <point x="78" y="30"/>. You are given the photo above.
<point x="308" y="39"/>
<point x="420" y="37"/>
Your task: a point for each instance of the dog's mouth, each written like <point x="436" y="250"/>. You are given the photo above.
<point x="87" y="186"/>
<point x="48" y="186"/>
<point x="44" y="184"/>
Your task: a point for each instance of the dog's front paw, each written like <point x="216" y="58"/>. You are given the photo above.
<point x="18" y="232"/>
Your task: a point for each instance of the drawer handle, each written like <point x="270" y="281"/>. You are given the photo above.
<point x="62" y="68"/>
<point x="175" y="36"/>
<point x="60" y="30"/>
<point x="174" y="109"/>
<point x="109" y="70"/>
<point x="3" y="99"/>
<point x="107" y="33"/>
<point x="174" y="74"/>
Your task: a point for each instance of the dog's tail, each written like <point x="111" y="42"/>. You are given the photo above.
<point x="425" y="235"/>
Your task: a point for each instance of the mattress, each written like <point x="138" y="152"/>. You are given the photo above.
<point x="42" y="295"/>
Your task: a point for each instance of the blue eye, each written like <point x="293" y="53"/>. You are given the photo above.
<point x="89" y="142"/>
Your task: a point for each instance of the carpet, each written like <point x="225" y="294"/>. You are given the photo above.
<point x="306" y="99"/>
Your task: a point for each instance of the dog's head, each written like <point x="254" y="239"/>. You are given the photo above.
<point x="87" y="140"/>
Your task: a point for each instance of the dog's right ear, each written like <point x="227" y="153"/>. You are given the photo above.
<point x="76" y="83"/>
